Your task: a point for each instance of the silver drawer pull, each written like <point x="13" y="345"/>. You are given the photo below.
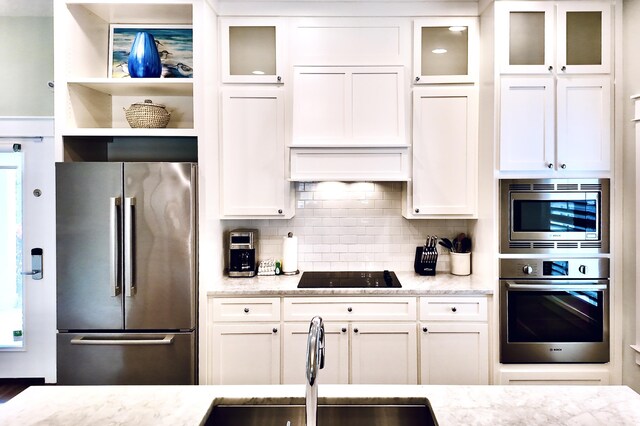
<point x="246" y="310"/>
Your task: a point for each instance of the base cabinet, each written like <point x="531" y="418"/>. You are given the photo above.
<point x="246" y="354"/>
<point x="454" y="354"/>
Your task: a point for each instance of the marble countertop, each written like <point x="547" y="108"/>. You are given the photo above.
<point x="452" y="405"/>
<point x="412" y="285"/>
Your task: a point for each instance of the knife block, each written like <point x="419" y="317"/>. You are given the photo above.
<point x="425" y="265"/>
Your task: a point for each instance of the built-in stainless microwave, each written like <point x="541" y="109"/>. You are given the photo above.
<point x="554" y="216"/>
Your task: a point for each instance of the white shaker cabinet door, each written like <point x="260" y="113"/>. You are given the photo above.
<point x="527" y="123"/>
<point x="252" y="154"/>
<point x="445" y="143"/>
<point x="245" y="354"/>
<point x="294" y="354"/>
<point x="584" y="123"/>
<point x="454" y="354"/>
<point x="384" y="353"/>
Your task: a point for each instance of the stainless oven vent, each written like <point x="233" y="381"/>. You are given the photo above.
<point x="543" y="244"/>
<point x="543" y="187"/>
<point x="591" y="187"/>
<point x="591" y="244"/>
<point x="567" y="187"/>
<point x="519" y="244"/>
<point x="567" y="244"/>
<point x="520" y="187"/>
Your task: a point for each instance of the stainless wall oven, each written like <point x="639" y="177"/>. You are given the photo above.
<point x="554" y="216"/>
<point x="554" y="310"/>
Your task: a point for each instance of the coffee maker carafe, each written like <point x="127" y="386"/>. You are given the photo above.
<point x="243" y="252"/>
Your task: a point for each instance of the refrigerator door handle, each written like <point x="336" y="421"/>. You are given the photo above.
<point x="114" y="244"/>
<point x="129" y="273"/>
<point x="92" y="340"/>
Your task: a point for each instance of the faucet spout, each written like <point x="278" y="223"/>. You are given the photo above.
<point x="315" y="362"/>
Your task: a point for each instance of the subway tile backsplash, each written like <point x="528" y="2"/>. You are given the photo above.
<point x="351" y="226"/>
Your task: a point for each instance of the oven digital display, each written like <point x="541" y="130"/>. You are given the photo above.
<point x="555" y="268"/>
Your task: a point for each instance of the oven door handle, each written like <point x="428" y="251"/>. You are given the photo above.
<point x="555" y="287"/>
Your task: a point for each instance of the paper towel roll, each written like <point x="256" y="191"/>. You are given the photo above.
<point x="289" y="255"/>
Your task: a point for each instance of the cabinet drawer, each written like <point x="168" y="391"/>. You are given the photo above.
<point x="350" y="308"/>
<point x="453" y="308"/>
<point x="246" y="309"/>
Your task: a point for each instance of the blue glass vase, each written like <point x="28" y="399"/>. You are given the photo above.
<point x="144" y="60"/>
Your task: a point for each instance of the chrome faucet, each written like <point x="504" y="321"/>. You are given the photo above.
<point x="315" y="362"/>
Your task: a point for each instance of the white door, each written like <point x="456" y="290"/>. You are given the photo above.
<point x="454" y="354"/>
<point x="445" y="141"/>
<point x="384" y="353"/>
<point x="27" y="306"/>
<point x="245" y="354"/>
<point x="527" y="123"/>
<point x="294" y="354"/>
<point x="584" y="123"/>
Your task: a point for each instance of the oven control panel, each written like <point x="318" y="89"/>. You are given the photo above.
<point x="570" y="268"/>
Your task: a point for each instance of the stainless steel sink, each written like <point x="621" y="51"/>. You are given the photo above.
<point x="415" y="412"/>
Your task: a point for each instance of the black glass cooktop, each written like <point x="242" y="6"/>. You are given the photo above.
<point x="349" y="279"/>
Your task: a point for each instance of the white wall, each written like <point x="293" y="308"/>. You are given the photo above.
<point x="631" y="85"/>
<point x="26" y="44"/>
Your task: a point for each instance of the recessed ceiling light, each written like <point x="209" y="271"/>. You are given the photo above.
<point x="457" y="29"/>
<point x="439" y="51"/>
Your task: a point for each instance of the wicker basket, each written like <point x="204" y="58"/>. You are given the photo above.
<point x="147" y="115"/>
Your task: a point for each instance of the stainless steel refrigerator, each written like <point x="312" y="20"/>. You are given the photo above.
<point x="126" y="273"/>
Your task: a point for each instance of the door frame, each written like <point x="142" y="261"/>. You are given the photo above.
<point x="37" y="358"/>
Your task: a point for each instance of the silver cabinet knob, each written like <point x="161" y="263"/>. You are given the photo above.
<point x="550" y="68"/>
<point x="563" y="166"/>
<point x="417" y="78"/>
<point x="550" y="165"/>
<point x="349" y="309"/>
<point x="454" y="309"/>
<point x="425" y="329"/>
<point x="279" y="211"/>
<point x="355" y="330"/>
<point x="246" y="310"/>
<point x="563" y="68"/>
<point x="279" y="79"/>
<point x="344" y="329"/>
<point x="417" y="210"/>
<point x="275" y="330"/>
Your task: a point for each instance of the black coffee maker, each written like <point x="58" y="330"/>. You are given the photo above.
<point x="243" y="252"/>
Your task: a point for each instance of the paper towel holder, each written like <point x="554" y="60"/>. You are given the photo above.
<point x="297" y="271"/>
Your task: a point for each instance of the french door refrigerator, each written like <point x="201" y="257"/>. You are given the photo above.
<point x="126" y="273"/>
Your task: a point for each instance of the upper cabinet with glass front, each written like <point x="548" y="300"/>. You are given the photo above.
<point x="445" y="50"/>
<point x="251" y="50"/>
<point x="578" y="32"/>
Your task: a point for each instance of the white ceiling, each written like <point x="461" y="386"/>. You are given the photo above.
<point x="26" y="7"/>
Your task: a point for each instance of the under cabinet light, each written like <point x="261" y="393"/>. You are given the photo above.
<point x="439" y="51"/>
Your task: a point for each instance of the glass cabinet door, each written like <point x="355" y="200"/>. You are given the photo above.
<point x="250" y="50"/>
<point x="525" y="37"/>
<point x="445" y="50"/>
<point x="584" y="38"/>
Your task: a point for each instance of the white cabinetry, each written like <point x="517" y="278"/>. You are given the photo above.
<point x="532" y="108"/>
<point x="445" y="50"/>
<point x="253" y="155"/>
<point x="567" y="37"/>
<point x="558" y="118"/>
<point x="445" y="143"/>
<point x="380" y="332"/>
<point x="454" y="340"/>
<point x="349" y="124"/>
<point x="251" y="50"/>
<point x="244" y="341"/>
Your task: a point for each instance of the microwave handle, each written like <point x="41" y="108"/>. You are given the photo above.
<point x="551" y="287"/>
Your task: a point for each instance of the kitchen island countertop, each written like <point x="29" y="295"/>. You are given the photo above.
<point x="412" y="285"/>
<point x="452" y="405"/>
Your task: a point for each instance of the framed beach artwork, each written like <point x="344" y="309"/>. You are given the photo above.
<point x="175" y="46"/>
